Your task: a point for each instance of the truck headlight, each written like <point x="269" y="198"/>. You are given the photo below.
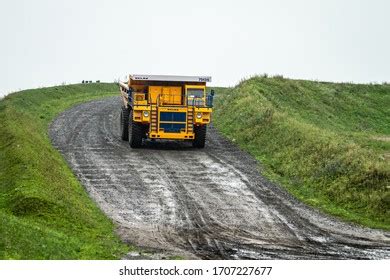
<point x="146" y="114"/>
<point x="199" y="115"/>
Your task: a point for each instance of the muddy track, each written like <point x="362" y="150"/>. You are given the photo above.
<point x="171" y="199"/>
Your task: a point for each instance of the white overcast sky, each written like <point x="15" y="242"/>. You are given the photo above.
<point x="45" y="43"/>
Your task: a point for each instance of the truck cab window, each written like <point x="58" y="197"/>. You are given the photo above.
<point x="195" y="92"/>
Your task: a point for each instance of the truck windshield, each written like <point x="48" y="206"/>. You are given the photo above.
<point x="195" y="92"/>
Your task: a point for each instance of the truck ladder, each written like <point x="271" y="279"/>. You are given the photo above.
<point x="190" y="120"/>
<point x="153" y="118"/>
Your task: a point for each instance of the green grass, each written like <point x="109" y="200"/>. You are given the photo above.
<point x="328" y="144"/>
<point x="44" y="211"/>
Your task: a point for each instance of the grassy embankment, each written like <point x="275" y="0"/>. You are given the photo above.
<point x="328" y="144"/>
<point x="44" y="211"/>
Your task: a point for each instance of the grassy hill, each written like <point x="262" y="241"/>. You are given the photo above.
<point x="328" y="144"/>
<point x="44" y="211"/>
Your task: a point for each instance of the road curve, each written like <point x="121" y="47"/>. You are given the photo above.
<point x="171" y="199"/>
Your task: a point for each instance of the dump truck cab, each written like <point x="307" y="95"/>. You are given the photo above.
<point x="165" y="107"/>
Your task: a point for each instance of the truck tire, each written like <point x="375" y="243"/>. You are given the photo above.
<point x="136" y="132"/>
<point x="124" y="124"/>
<point x="200" y="136"/>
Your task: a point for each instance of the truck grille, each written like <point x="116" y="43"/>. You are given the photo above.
<point x="172" y="117"/>
<point x="173" y="121"/>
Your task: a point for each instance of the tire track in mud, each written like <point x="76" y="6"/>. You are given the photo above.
<point x="171" y="199"/>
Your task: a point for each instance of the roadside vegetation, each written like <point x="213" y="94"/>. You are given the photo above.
<point x="44" y="211"/>
<point x="327" y="143"/>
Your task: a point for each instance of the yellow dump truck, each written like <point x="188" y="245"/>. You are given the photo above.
<point x="165" y="107"/>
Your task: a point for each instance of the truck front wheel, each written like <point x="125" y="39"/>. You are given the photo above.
<point x="136" y="132"/>
<point x="124" y="124"/>
<point x="200" y="136"/>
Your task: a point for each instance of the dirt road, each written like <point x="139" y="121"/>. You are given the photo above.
<point x="171" y="199"/>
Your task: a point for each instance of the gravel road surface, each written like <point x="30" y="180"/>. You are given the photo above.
<point x="170" y="199"/>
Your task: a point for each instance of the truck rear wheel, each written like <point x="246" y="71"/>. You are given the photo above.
<point x="136" y="132"/>
<point x="124" y="124"/>
<point x="200" y="136"/>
